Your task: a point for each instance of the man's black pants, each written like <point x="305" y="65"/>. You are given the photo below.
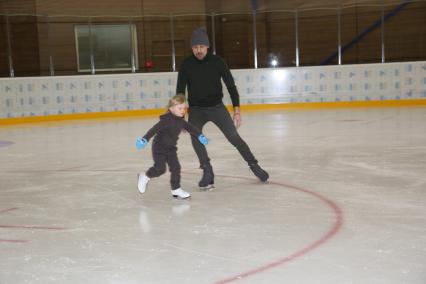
<point x="219" y="115"/>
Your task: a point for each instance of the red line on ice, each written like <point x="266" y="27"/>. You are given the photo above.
<point x="13" y="241"/>
<point x="338" y="222"/>
<point x="7" y="210"/>
<point x="30" y="227"/>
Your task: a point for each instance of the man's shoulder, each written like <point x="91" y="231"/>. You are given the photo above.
<point x="217" y="60"/>
<point x="186" y="63"/>
<point x="215" y="57"/>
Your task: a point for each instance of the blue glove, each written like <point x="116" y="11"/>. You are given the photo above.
<point x="141" y="143"/>
<point x="203" y="139"/>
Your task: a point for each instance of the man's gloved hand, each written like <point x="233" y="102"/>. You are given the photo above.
<point x="141" y="143"/>
<point x="203" y="139"/>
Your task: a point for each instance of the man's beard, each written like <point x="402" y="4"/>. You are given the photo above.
<point x="200" y="56"/>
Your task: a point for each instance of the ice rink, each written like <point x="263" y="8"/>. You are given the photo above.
<point x="346" y="202"/>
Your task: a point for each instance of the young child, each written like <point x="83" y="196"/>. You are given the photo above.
<point x="164" y="148"/>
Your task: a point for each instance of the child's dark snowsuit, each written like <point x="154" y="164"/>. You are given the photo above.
<point x="164" y="148"/>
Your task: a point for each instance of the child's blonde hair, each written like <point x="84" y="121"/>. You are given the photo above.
<point x="176" y="100"/>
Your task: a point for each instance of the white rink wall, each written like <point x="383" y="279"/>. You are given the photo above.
<point x="42" y="96"/>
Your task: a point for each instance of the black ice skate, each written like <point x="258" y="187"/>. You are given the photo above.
<point x="259" y="172"/>
<point x="207" y="181"/>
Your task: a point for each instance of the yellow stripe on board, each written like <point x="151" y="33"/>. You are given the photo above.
<point x="321" y="105"/>
<point x="254" y="107"/>
<point x="76" y="116"/>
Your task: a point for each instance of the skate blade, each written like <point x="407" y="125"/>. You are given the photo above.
<point x="209" y="187"/>
<point x="181" y="198"/>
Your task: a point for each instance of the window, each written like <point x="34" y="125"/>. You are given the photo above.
<point x="114" y="47"/>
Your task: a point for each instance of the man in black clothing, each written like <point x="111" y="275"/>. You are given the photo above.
<point x="201" y="74"/>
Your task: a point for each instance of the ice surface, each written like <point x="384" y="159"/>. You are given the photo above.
<point x="346" y="203"/>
